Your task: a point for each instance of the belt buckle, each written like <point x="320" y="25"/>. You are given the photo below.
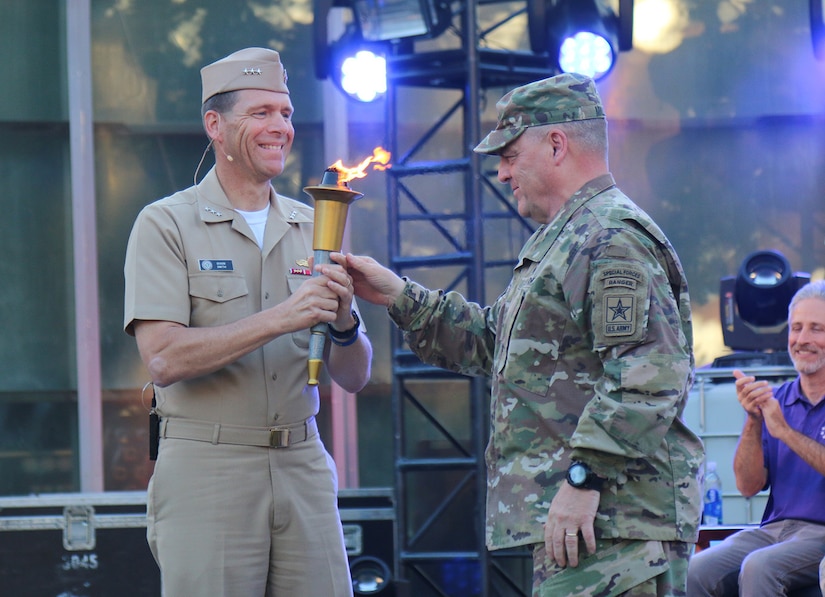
<point x="279" y="438"/>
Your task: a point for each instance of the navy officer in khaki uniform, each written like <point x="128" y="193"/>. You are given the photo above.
<point x="220" y="298"/>
<point x="589" y="354"/>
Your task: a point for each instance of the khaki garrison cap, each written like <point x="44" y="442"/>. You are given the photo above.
<point x="251" y="68"/>
<point x="563" y="98"/>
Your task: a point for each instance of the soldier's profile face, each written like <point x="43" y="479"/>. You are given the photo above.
<point x="524" y="165"/>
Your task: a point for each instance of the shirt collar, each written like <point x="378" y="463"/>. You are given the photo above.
<point x="214" y="205"/>
<point x="546" y="235"/>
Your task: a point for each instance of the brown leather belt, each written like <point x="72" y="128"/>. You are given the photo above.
<point x="218" y="433"/>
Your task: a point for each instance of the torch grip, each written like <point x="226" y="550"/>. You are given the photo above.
<point x="318" y="332"/>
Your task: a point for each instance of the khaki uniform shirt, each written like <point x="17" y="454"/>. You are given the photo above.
<point x="193" y="260"/>
<point x="590" y="353"/>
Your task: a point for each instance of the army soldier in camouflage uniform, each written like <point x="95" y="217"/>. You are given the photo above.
<point x="590" y="354"/>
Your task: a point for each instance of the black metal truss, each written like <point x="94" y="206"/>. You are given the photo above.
<point x="440" y="501"/>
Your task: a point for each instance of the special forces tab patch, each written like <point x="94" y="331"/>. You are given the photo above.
<point x="620" y="293"/>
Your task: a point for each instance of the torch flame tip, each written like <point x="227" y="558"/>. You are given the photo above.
<point x="379" y="159"/>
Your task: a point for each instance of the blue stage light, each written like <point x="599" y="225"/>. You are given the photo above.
<point x="364" y="75"/>
<point x="583" y="36"/>
<point x="586" y="53"/>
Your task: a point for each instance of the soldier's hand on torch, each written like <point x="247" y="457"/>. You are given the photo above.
<point x="340" y="282"/>
<point x="372" y="281"/>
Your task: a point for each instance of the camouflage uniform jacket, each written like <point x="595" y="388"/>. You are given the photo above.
<point x="590" y="355"/>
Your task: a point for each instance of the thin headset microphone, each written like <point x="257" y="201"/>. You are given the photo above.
<point x="200" y="163"/>
<point x="229" y="158"/>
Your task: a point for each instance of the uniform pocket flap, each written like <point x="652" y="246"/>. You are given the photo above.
<point x="217" y="287"/>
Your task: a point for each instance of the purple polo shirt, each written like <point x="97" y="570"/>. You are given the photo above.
<point x="797" y="490"/>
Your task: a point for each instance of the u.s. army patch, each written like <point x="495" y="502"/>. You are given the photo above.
<point x="620" y="294"/>
<point x="619" y="315"/>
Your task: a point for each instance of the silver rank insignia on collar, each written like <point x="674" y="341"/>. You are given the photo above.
<point x="252" y="71"/>
<point x="212" y="211"/>
<point x="292" y="215"/>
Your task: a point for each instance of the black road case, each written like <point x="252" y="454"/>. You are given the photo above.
<point x="76" y="545"/>
<point x="94" y="544"/>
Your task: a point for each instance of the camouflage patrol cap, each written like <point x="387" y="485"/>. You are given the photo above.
<point x="563" y="98"/>
<point x="250" y="68"/>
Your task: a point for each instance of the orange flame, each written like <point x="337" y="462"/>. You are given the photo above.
<point x="380" y="159"/>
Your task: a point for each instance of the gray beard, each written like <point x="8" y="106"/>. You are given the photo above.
<point x="808" y="368"/>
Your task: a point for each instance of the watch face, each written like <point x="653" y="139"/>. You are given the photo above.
<point x="577" y="474"/>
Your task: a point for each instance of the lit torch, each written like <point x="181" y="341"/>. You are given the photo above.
<point x="332" y="200"/>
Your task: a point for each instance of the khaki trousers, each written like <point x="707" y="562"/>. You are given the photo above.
<point x="241" y="521"/>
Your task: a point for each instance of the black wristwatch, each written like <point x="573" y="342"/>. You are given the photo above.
<point x="580" y="476"/>
<point x="346" y="334"/>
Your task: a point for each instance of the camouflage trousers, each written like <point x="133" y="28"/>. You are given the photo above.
<point x="619" y="568"/>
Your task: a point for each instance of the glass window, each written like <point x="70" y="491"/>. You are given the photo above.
<point x="38" y="419"/>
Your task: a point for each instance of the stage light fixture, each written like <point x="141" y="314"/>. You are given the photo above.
<point x="818" y="27"/>
<point x="587" y="53"/>
<point x="356" y="61"/>
<point x="753" y="306"/>
<point x="359" y="68"/>
<point x="583" y="36"/>
<point x="385" y="20"/>
<point x="370" y="576"/>
<point x="364" y="75"/>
